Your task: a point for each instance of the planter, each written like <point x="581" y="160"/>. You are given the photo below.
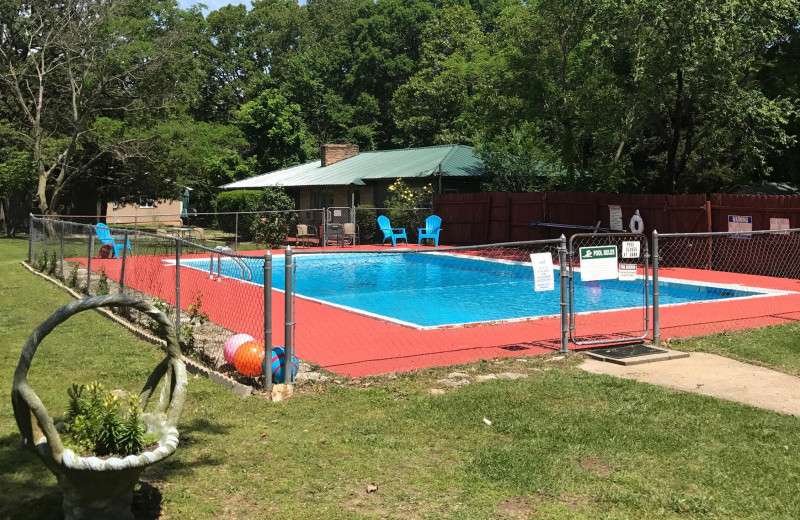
<point x="101" y="488"/>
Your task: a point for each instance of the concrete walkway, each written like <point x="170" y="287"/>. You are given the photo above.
<point x="716" y="376"/>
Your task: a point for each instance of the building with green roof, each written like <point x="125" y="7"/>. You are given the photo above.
<point x="345" y="177"/>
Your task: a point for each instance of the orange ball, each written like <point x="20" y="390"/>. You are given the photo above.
<point x="249" y="357"/>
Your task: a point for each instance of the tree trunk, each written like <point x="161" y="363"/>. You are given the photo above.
<point x="672" y="150"/>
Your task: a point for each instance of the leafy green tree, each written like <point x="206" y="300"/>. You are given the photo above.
<point x="438" y="104"/>
<point x="65" y="65"/>
<point x="276" y="132"/>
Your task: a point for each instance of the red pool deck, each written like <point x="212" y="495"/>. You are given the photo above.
<point x="353" y="344"/>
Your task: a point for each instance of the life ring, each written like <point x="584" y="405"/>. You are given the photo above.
<point x="636" y="223"/>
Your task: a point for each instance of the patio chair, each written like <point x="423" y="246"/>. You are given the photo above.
<point x="349" y="233"/>
<point x="390" y="233"/>
<point x="104" y="234"/>
<point x="433" y="225"/>
<point x="306" y="234"/>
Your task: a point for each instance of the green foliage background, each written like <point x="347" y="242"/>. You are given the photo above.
<point x="644" y="96"/>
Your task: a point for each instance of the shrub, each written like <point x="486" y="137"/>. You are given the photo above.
<point x="72" y="281"/>
<point x="272" y="229"/>
<point x="52" y="266"/>
<point x="196" y="317"/>
<point x="367" y="222"/>
<point x="102" y="283"/>
<point x="402" y="202"/>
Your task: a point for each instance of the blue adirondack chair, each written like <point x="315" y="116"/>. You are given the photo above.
<point x="433" y="225"/>
<point x="390" y="233"/>
<point x="104" y="234"/>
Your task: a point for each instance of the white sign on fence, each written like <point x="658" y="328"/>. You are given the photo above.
<point x="740" y="224"/>
<point x="631" y="249"/>
<point x="598" y="263"/>
<point x="615" y="218"/>
<point x="779" y="223"/>
<point x="543" y="279"/>
<point x="627" y="272"/>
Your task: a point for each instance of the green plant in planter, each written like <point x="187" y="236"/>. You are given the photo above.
<point x="95" y="424"/>
<point x="94" y="487"/>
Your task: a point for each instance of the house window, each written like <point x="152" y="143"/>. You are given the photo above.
<point x="147" y="203"/>
<point x="322" y="198"/>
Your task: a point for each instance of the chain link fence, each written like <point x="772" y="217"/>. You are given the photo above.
<point x="209" y="293"/>
<point x="379" y="311"/>
<point x="353" y="311"/>
<point x="751" y="277"/>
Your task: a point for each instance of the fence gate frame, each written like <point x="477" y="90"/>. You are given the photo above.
<point x="644" y="258"/>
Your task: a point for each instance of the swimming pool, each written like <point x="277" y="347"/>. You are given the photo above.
<point x="431" y="290"/>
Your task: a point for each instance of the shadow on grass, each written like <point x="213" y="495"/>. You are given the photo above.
<point x="31" y="491"/>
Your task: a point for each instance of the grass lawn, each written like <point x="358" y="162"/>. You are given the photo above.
<point x="562" y="443"/>
<point x="774" y="347"/>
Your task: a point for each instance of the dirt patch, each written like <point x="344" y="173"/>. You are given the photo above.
<point x="596" y="466"/>
<point x="516" y="507"/>
<point x="365" y="503"/>
<point x="573" y="501"/>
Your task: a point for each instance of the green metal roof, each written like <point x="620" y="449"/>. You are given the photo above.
<point x="456" y="161"/>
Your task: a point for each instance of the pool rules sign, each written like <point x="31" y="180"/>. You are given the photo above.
<point x="543" y="279"/>
<point x="599" y="263"/>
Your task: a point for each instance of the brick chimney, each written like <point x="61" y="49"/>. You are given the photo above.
<point x="333" y="153"/>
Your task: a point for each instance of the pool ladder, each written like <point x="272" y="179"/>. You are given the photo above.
<point x="245" y="271"/>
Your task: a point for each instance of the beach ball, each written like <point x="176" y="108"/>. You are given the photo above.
<point x="232" y="344"/>
<point x="248" y="358"/>
<point x="278" y="355"/>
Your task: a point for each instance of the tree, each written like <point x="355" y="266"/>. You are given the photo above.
<point x="438" y="104"/>
<point x="69" y="64"/>
<point x="276" y="132"/>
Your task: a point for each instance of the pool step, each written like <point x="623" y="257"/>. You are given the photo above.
<point x="635" y="354"/>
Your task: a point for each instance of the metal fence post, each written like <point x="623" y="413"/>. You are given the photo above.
<point x="30" y="238"/>
<point x="135" y="232"/>
<point x="236" y="235"/>
<point x="178" y="287"/>
<point x="268" y="322"/>
<point x="656" y="322"/>
<point x="287" y="360"/>
<point x="89" y="263"/>
<point x="61" y="261"/>
<point x="564" y="278"/>
<point x="122" y="268"/>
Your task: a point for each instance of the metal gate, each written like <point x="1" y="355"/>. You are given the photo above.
<point x="608" y="271"/>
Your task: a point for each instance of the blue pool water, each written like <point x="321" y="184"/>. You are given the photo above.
<point x="432" y="290"/>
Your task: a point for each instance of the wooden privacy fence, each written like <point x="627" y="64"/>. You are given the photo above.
<point x="492" y="217"/>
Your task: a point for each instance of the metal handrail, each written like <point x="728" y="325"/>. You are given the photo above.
<point x="243" y="267"/>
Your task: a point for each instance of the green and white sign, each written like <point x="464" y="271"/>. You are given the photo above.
<point x="598" y="263"/>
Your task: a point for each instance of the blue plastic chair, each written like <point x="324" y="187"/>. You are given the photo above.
<point x="433" y="225"/>
<point x="104" y="234"/>
<point x="391" y="233"/>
